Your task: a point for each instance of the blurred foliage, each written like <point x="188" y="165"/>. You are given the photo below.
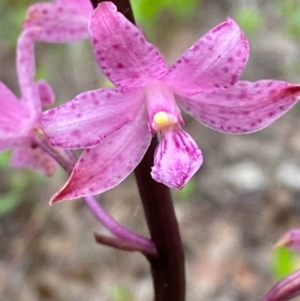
<point x="187" y="191"/>
<point x="12" y="198"/>
<point x="249" y="19"/>
<point x="291" y="13"/>
<point x="284" y="262"/>
<point x="149" y="11"/>
<point x="16" y="187"/>
<point x="10" y="27"/>
<point x="121" y="293"/>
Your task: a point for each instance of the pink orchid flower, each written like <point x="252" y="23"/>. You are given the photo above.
<point x="116" y="124"/>
<point x="20" y="118"/>
<point x="62" y="20"/>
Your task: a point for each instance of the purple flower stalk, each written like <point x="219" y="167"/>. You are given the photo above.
<point x="115" y="125"/>
<point x="62" y="20"/>
<point x="19" y="118"/>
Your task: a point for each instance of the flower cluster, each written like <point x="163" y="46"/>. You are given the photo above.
<point x="115" y="126"/>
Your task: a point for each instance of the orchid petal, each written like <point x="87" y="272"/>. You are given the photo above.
<point x="122" y="52"/>
<point x="26" y="70"/>
<point x="176" y="159"/>
<point x="62" y="21"/>
<point x="245" y="108"/>
<point x="105" y="166"/>
<point x="34" y="158"/>
<point x="91" y="117"/>
<point x="9" y="143"/>
<point x="46" y="93"/>
<point x="84" y="5"/>
<point x="13" y="115"/>
<point x="215" y="61"/>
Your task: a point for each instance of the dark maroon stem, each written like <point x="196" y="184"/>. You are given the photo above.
<point x="168" y="267"/>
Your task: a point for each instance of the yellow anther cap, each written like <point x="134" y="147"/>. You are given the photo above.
<point x="162" y="120"/>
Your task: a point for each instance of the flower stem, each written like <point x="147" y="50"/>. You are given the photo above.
<point x="168" y="268"/>
<point x="67" y="160"/>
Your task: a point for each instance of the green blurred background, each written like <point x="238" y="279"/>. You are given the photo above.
<point x="231" y="213"/>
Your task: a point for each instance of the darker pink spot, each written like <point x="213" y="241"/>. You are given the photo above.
<point x="242" y="96"/>
<point x="76" y="133"/>
<point x="225" y="69"/>
<point x="230" y="60"/>
<point x="51" y="112"/>
<point x="73" y="106"/>
<point x="116" y="47"/>
<point x="95" y="41"/>
<point x="120" y="66"/>
<point x="94" y="157"/>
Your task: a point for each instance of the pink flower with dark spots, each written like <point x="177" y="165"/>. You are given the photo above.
<point x="115" y="125"/>
<point x="62" y="20"/>
<point x="19" y="118"/>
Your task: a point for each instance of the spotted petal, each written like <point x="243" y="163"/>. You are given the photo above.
<point x="245" y="108"/>
<point x="105" y="166"/>
<point x="34" y="158"/>
<point x="26" y="70"/>
<point x="14" y="119"/>
<point x="62" y="21"/>
<point x="46" y="93"/>
<point x="121" y="50"/>
<point x="177" y="158"/>
<point x="214" y="62"/>
<point x="91" y="117"/>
